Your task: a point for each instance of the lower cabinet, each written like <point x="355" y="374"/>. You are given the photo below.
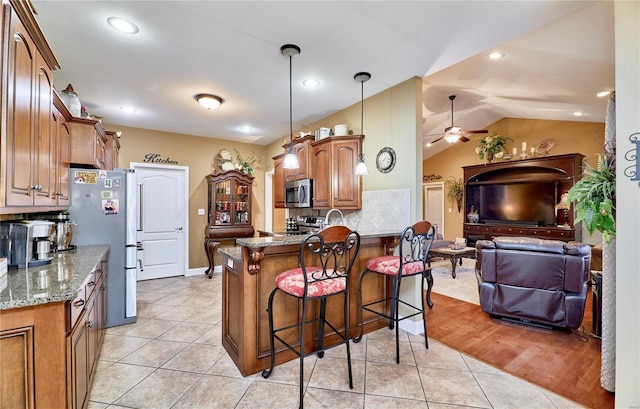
<point x="48" y="352"/>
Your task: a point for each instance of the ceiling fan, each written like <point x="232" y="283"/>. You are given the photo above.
<point x="455" y="133"/>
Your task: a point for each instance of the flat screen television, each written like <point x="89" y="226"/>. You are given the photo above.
<point x="524" y="202"/>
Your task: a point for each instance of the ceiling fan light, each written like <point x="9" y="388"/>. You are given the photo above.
<point x="454" y="130"/>
<point x="451" y="137"/>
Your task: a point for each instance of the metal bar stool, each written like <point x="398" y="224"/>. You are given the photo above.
<point x="326" y="259"/>
<point x="414" y="246"/>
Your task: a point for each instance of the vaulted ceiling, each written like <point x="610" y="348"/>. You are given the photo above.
<point x="557" y="54"/>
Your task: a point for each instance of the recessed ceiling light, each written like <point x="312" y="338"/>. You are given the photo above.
<point x="311" y="83"/>
<point x="429" y="145"/>
<point x="601" y="94"/>
<point x="209" y="101"/>
<point x="578" y="113"/>
<point x="246" y="129"/>
<point x="496" y="55"/>
<point x="122" y="25"/>
<point x="128" y="109"/>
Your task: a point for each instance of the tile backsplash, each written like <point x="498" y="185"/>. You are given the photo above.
<point x="381" y="210"/>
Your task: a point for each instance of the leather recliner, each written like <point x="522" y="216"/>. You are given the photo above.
<point x="533" y="280"/>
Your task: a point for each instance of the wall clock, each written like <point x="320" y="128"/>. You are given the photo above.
<point x="386" y="160"/>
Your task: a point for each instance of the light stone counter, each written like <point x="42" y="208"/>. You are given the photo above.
<point x="58" y="281"/>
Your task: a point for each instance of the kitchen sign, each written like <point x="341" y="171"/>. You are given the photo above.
<point x="156" y="158"/>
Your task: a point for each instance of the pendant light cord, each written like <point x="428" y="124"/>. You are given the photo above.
<point x="290" y="103"/>
<point x="362" y="107"/>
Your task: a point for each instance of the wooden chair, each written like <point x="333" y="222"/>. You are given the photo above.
<point x="326" y="259"/>
<point x="413" y="258"/>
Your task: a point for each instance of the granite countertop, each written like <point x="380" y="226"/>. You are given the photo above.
<point x="57" y="281"/>
<point x="256" y="242"/>
<point x="235" y="253"/>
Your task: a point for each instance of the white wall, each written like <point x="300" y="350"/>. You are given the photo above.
<point x="627" y="35"/>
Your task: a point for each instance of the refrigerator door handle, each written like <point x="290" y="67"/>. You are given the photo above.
<point x="140" y="247"/>
<point x="140" y="201"/>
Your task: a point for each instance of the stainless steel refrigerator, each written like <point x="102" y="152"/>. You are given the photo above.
<point x="104" y="204"/>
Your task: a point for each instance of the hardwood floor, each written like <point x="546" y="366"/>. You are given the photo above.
<point x="564" y="362"/>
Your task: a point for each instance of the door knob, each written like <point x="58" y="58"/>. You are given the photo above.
<point x="179" y="228"/>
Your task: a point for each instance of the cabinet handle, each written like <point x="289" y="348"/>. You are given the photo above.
<point x="103" y="287"/>
<point x="89" y="324"/>
<point x="91" y="283"/>
<point x="78" y="303"/>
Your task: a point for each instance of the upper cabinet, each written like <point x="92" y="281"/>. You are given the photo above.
<point x="112" y="149"/>
<point x="302" y="149"/>
<point x="27" y="143"/>
<point x="88" y="143"/>
<point x="62" y="159"/>
<point x="278" y="182"/>
<point x="336" y="184"/>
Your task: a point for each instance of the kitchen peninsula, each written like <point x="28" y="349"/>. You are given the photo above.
<point x="248" y="276"/>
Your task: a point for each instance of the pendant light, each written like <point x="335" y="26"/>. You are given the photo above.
<point x="361" y="77"/>
<point x="290" y="159"/>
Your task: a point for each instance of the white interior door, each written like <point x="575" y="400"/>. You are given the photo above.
<point x="163" y="221"/>
<point x="434" y="205"/>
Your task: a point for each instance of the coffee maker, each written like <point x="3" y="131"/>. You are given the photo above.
<point x="26" y="243"/>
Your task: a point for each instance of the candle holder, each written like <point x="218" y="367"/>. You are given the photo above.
<point x="524" y="155"/>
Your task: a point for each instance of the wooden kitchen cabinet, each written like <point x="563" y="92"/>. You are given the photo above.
<point x="88" y="140"/>
<point x="302" y="149"/>
<point x="27" y="123"/>
<point x="112" y="149"/>
<point x="49" y="351"/>
<point x="336" y="184"/>
<point x="278" y="182"/>
<point x="229" y="203"/>
<point x="61" y="161"/>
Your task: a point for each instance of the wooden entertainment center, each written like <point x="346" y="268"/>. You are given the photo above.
<point x="561" y="172"/>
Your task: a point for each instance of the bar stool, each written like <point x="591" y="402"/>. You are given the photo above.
<point x="326" y="259"/>
<point x="414" y="249"/>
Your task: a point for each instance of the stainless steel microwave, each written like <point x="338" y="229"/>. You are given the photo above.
<point x="298" y="193"/>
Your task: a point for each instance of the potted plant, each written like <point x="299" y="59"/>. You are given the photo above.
<point x="594" y="196"/>
<point x="455" y="191"/>
<point x="492" y="146"/>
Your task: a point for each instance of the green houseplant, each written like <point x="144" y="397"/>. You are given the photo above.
<point x="594" y="196"/>
<point x="492" y="146"/>
<point x="455" y="191"/>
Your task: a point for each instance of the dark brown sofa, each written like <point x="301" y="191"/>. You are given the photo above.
<point x="533" y="280"/>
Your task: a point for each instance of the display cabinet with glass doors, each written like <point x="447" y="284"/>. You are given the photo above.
<point x="229" y="216"/>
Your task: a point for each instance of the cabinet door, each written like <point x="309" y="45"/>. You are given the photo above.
<point x="241" y="202"/>
<point x="45" y="143"/>
<point x="19" y="140"/>
<point x="322" y="183"/>
<point x="63" y="160"/>
<point x="347" y="189"/>
<point x="79" y="363"/>
<point x="222" y="203"/>
<point x="278" y="183"/>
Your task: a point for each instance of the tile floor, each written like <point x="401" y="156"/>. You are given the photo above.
<point x="172" y="357"/>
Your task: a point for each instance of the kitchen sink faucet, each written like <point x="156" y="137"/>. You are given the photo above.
<point x="326" y="218"/>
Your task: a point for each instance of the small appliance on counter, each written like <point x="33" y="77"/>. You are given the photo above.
<point x="63" y="233"/>
<point x="26" y="243"/>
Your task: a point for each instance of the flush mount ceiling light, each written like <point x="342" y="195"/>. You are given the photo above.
<point x="122" y="25"/>
<point x="311" y="83"/>
<point x="496" y="55"/>
<point x="362" y="77"/>
<point x="290" y="159"/>
<point x="209" y="101"/>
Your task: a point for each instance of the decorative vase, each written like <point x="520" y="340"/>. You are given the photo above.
<point x="489" y="157"/>
<point x="71" y="100"/>
<point x="473" y="217"/>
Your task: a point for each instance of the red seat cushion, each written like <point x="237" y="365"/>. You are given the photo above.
<point x="391" y="264"/>
<point x="292" y="282"/>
